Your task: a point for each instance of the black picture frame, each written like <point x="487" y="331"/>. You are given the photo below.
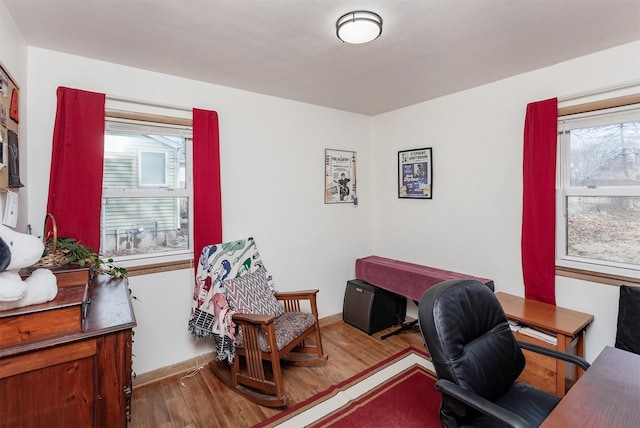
<point x="415" y="173"/>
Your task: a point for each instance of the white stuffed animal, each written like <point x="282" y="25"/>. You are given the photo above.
<point x="17" y="251"/>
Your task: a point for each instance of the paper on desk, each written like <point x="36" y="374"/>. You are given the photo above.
<point x="514" y="326"/>
<point x="528" y="331"/>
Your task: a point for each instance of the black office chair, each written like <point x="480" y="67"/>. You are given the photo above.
<point x="477" y="359"/>
<point x="628" y="327"/>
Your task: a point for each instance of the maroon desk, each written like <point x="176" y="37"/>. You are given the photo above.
<point x="607" y="395"/>
<point x="406" y="279"/>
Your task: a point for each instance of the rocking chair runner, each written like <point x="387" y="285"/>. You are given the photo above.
<point x="270" y="327"/>
<point x="266" y="340"/>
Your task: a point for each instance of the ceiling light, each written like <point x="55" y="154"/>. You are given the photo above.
<point x="359" y="27"/>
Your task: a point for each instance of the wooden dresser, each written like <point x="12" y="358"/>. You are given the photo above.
<point x="68" y="362"/>
<point x="566" y="326"/>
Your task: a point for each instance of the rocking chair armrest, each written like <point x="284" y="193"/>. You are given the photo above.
<point x="253" y="318"/>
<point x="291" y="300"/>
<point x="296" y="295"/>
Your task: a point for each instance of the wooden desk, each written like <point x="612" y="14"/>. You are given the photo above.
<point x="569" y="328"/>
<point x="78" y="377"/>
<point x="608" y="395"/>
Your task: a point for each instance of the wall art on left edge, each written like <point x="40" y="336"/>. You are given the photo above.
<point x="9" y="119"/>
<point x="339" y="177"/>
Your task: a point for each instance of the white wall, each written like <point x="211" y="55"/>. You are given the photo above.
<point x="272" y="156"/>
<point x="472" y="224"/>
<point x="272" y="177"/>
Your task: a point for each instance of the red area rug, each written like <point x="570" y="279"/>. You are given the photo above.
<point x="397" y="392"/>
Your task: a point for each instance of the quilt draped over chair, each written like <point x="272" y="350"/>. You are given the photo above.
<point x="211" y="314"/>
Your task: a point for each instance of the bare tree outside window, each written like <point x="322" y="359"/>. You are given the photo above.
<point x="606" y="155"/>
<point x="602" y="198"/>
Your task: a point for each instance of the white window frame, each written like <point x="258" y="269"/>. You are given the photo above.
<point x="565" y="190"/>
<point x="138" y="120"/>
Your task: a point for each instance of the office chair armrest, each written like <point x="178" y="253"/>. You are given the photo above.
<point x="580" y="362"/>
<point x="481" y="404"/>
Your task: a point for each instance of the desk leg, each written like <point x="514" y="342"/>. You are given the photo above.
<point x="567" y="374"/>
<point x="561" y="370"/>
<point x="405" y="326"/>
<point x="580" y="350"/>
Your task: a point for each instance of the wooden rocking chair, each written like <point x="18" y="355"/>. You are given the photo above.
<point x="264" y="341"/>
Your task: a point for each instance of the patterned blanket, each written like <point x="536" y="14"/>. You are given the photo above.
<point x="210" y="312"/>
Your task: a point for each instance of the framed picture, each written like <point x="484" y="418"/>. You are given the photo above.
<point x="9" y="130"/>
<point x="339" y="177"/>
<point x="415" y="174"/>
<point x="3" y="149"/>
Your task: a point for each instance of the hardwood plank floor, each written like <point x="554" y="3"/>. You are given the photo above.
<point x="204" y="401"/>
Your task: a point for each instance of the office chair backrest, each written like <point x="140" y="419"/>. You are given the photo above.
<point x="468" y="337"/>
<point x="628" y="328"/>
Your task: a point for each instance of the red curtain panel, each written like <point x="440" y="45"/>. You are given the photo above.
<point x="207" y="199"/>
<point x="75" y="183"/>
<point x="538" y="202"/>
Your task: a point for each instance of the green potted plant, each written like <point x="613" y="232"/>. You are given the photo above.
<point x="68" y="250"/>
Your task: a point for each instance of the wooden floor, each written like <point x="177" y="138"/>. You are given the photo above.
<point x="204" y="401"/>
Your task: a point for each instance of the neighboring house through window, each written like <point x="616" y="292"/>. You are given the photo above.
<point x="147" y="190"/>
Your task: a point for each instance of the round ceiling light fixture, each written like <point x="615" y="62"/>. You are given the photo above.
<point x="359" y="27"/>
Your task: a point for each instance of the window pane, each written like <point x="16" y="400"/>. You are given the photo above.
<point x="606" y="155"/>
<point x="161" y="160"/>
<point x="132" y="226"/>
<point x="604" y="228"/>
<point x="153" y="169"/>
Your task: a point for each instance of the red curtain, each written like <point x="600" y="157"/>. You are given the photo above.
<point x="207" y="198"/>
<point x="75" y="183"/>
<point x="538" y="203"/>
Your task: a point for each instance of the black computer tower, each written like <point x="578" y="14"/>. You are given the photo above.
<point x="371" y="308"/>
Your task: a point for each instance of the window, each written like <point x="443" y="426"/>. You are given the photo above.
<point x="598" y="196"/>
<point x="153" y="169"/>
<point x="146" y="196"/>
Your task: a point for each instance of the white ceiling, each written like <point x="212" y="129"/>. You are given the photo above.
<point x="288" y="48"/>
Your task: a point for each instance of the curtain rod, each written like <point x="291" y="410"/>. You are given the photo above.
<point x="147" y="103"/>
<point x="603" y="90"/>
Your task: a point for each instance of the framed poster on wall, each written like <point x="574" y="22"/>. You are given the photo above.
<point x="339" y="176"/>
<point x="9" y="130"/>
<point x="415" y="174"/>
